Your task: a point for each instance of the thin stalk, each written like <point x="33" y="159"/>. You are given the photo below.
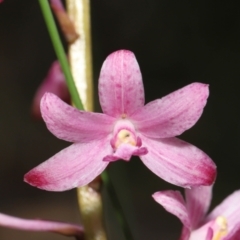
<point x="61" y="55"/>
<point x="80" y="54"/>
<point x="119" y="212"/>
<point x="89" y="197"/>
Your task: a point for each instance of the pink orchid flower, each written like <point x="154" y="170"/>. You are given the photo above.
<point x="66" y="229"/>
<point x="54" y="83"/>
<point x="125" y="128"/>
<point x="223" y="223"/>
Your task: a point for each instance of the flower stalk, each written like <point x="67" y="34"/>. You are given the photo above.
<point x="80" y="55"/>
<point x="58" y="47"/>
<point x="89" y="196"/>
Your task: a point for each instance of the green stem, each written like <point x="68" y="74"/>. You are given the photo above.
<point x="61" y="55"/>
<point x="117" y="205"/>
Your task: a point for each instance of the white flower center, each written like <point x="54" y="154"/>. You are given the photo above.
<point x="125" y="142"/>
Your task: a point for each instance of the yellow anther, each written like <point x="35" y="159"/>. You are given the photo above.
<point x="222" y="228"/>
<point x="125" y="136"/>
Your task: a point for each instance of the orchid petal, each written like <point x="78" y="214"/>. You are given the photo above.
<point x="198" y="200"/>
<point x="120" y="84"/>
<point x="209" y="235"/>
<point x="173" y="114"/>
<point x="230" y="209"/>
<point x="234" y="235"/>
<point x="71" y="124"/>
<point x="185" y="234"/>
<point x="178" y="162"/>
<point x="174" y="203"/>
<point x="203" y="233"/>
<point x="74" y="166"/>
<point x="41" y="225"/>
<point x="54" y="83"/>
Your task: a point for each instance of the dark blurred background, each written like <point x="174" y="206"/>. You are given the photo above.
<point x="176" y="43"/>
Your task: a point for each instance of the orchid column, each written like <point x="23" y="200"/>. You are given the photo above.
<point x="89" y="197"/>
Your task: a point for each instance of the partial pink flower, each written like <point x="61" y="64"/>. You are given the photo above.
<point x="125" y="128"/>
<point x="66" y="229"/>
<point x="222" y="223"/>
<point x="54" y="83"/>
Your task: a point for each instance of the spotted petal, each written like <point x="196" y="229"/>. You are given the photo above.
<point x="173" y="114"/>
<point x="74" y="166"/>
<point x="178" y="162"/>
<point x="206" y="232"/>
<point x="198" y="200"/>
<point x="120" y="84"/>
<point x="71" y="124"/>
<point x="174" y="203"/>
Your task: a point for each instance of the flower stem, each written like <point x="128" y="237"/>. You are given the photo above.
<point x="90" y="204"/>
<point x="117" y="205"/>
<point x="80" y="54"/>
<point x="61" y="55"/>
<point x="89" y="197"/>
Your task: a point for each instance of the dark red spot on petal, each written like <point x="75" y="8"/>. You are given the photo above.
<point x="118" y="85"/>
